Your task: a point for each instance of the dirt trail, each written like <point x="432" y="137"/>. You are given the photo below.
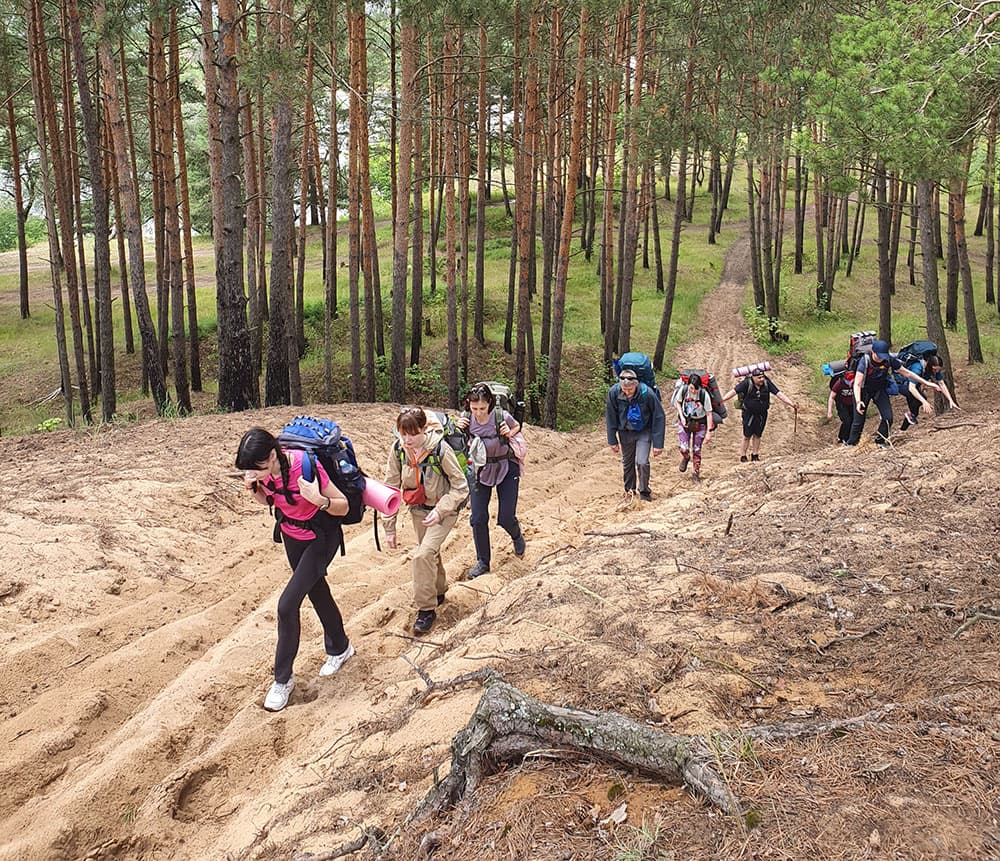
<point x="137" y="619"/>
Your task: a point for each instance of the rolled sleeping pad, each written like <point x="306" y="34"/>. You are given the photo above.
<point x="831" y="369"/>
<point x="381" y="497"/>
<point x="747" y="370"/>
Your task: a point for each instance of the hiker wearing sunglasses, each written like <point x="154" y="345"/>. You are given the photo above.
<point x="756" y="391"/>
<point x="635" y="424"/>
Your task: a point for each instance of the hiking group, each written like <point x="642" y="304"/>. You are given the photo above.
<point x="309" y="477"/>
<point x="871" y="373"/>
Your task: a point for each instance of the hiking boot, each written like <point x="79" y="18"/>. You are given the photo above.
<point x="883" y="443"/>
<point x="696" y="474"/>
<point x="754" y="458"/>
<point x="684" y="463"/>
<point x="335" y="662"/>
<point x="908" y="421"/>
<point x="645" y="496"/>
<point x="743" y="458"/>
<point x="277" y="697"/>
<point x="424" y="622"/>
<point x="520" y="545"/>
<point x="478" y="570"/>
<point x="440" y="600"/>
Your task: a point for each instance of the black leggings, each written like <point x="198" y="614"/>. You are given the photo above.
<point x="309" y="560"/>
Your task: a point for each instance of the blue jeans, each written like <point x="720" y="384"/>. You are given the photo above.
<point x="479" y="503"/>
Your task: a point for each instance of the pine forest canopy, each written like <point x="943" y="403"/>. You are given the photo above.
<point x="557" y="133"/>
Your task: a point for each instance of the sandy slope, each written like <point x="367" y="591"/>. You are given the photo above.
<point x="137" y="600"/>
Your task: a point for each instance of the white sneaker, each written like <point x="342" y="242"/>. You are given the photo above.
<point x="335" y="662"/>
<point x="277" y="697"/>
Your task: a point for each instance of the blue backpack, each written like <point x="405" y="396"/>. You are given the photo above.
<point x="322" y="440"/>
<point x="641" y="365"/>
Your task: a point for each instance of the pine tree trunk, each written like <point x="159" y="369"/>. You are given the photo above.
<point x="403" y="190"/>
<point x="374" y="328"/>
<point x="35" y="58"/>
<point x="554" y="371"/>
<point x="255" y="319"/>
<point x="115" y="191"/>
<point x="282" y="382"/>
<point x="238" y="387"/>
<point x="957" y="197"/>
<point x="417" y="260"/>
<point x="304" y="157"/>
<point x="330" y="272"/>
<point x="926" y="208"/>
<point x="448" y="143"/>
<point x="63" y="204"/>
<point x="550" y="215"/>
<point x="631" y="206"/>
<point x="99" y="197"/>
<point x="482" y="136"/>
<point x="354" y="202"/>
<point x="133" y="220"/>
<point x="174" y="282"/>
<point x="464" y="169"/>
<point x="22" y="244"/>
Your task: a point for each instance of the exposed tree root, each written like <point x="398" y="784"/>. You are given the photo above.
<point x="508" y="724"/>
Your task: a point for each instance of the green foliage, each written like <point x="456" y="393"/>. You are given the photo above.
<point x="48" y="425"/>
<point x="34" y="230"/>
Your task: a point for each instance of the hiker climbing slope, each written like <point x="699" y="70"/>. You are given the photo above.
<point x="755" y="391"/>
<point x="871" y="381"/>
<point x="695" y="420"/>
<point x="635" y="425"/>
<point x="308" y="526"/>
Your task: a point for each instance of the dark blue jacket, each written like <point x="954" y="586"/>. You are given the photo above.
<point x="651" y="410"/>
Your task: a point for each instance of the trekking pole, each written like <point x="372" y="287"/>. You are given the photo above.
<point x="795" y="423"/>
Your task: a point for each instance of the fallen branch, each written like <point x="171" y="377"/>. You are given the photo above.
<point x="732" y="669"/>
<point x="375" y="835"/>
<point x="828" y="473"/>
<point x="592" y="594"/>
<point x="417" y="640"/>
<point x="623" y="532"/>
<point x="557" y="551"/>
<point x="878" y="629"/>
<point x="507" y="725"/>
<point x="952" y="427"/>
<point x="973" y="619"/>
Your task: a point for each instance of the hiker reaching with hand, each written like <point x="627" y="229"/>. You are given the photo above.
<point x="496" y="428"/>
<point x="871" y="381"/>
<point x="756" y="391"/>
<point x="695" y="421"/>
<point x="635" y="425"/>
<point x="434" y="488"/>
<point x="308" y="517"/>
<point x="928" y="368"/>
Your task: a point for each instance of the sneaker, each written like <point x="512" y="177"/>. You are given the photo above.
<point x="882" y="443"/>
<point x="520" y="545"/>
<point x="424" y="622"/>
<point x="478" y="570"/>
<point x="440" y="600"/>
<point x="335" y="662"/>
<point x="696" y="474"/>
<point x="645" y="496"/>
<point x="684" y="463"/>
<point x="277" y="697"/>
<point x="743" y="458"/>
<point x="905" y="423"/>
<point x="754" y="458"/>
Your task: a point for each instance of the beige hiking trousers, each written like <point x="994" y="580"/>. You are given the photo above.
<point x="428" y="570"/>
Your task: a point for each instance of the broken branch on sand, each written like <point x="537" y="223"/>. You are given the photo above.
<point x="828" y="473"/>
<point x="373" y="835"/>
<point x="623" y="532"/>
<point x="952" y="427"/>
<point x="973" y="619"/>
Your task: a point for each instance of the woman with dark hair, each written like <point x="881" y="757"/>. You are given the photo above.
<point x="695" y="421"/>
<point x="308" y="515"/>
<point x="930" y="368"/>
<point x="434" y="489"/>
<point x="501" y="471"/>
